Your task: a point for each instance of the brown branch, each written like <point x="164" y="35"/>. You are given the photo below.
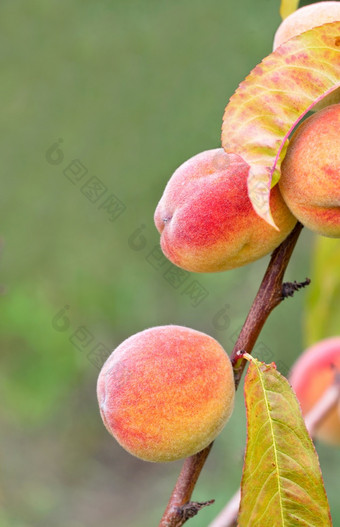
<point x="270" y="294"/>
<point x="174" y="515"/>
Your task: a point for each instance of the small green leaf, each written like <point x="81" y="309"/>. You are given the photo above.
<point x="272" y="100"/>
<point x="288" y="7"/>
<point x="282" y="483"/>
<point x="322" y="314"/>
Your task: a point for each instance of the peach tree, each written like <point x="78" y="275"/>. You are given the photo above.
<point x="167" y="392"/>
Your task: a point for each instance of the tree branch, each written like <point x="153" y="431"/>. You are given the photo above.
<point x="174" y="515"/>
<point x="319" y="412"/>
<point x="270" y="294"/>
<point x="228" y="516"/>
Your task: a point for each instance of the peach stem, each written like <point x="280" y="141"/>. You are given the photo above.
<point x="270" y="294"/>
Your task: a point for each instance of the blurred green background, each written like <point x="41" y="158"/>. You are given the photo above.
<point x="101" y="101"/>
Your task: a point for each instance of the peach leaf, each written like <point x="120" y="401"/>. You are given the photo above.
<point x="282" y="483"/>
<point x="273" y="99"/>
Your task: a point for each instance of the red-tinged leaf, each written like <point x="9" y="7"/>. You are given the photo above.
<point x="281" y="483"/>
<point x="271" y="101"/>
<point x="288" y="7"/>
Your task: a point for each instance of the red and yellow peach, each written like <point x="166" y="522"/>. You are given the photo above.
<point x="206" y="219"/>
<point x="311" y="375"/>
<point x="166" y="392"/>
<point x="310" y="179"/>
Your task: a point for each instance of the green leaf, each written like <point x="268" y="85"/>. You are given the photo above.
<point x="288" y="7"/>
<point x="322" y="317"/>
<point x="272" y="100"/>
<point x="282" y="483"/>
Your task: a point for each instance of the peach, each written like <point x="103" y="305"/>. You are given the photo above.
<point x="206" y="220"/>
<point x="304" y="19"/>
<point x="311" y="375"/>
<point x="166" y="392"/>
<point x="310" y="179"/>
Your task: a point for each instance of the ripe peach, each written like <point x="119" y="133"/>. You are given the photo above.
<point x="311" y="375"/>
<point x="166" y="392"/>
<point x="310" y="179"/>
<point x="304" y="19"/>
<point x="206" y="220"/>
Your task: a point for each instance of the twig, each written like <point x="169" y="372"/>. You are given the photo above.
<point x="319" y="412"/>
<point x="270" y="294"/>
<point x="331" y="397"/>
<point x="174" y="515"/>
<point x="228" y="516"/>
<point x="289" y="288"/>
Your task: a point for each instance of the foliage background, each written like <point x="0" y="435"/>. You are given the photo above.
<point x="133" y="89"/>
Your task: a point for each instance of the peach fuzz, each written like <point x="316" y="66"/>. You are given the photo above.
<point x="166" y="392"/>
<point x="311" y="375"/>
<point x="310" y="178"/>
<point x="206" y="220"/>
<point x="306" y="18"/>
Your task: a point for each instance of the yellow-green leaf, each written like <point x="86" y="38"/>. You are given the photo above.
<point x="271" y="101"/>
<point x="282" y="483"/>
<point x="323" y="300"/>
<point x="288" y="7"/>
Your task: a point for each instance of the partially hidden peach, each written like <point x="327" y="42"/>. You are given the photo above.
<point x="312" y="374"/>
<point x="206" y="219"/>
<point x="310" y="174"/>
<point x="166" y="392"/>
<point x="304" y="19"/>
